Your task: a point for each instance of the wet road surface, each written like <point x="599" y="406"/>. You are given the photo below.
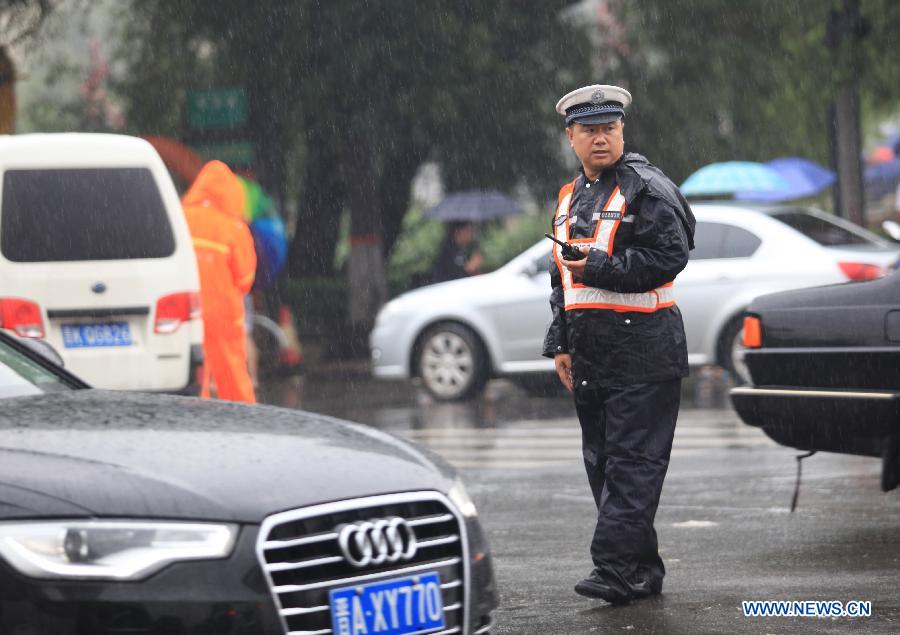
<point x="725" y="530"/>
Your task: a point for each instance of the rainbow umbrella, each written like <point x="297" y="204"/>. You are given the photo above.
<point x="268" y="231"/>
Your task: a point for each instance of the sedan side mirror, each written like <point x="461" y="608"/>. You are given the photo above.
<point x="892" y="229"/>
<point x="43" y="349"/>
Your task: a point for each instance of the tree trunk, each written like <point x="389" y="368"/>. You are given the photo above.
<point x="394" y="193"/>
<point x="366" y="284"/>
<point x="7" y="93"/>
<point x="319" y="215"/>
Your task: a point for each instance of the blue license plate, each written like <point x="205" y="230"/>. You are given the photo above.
<point x="99" y="334"/>
<point x="401" y="606"/>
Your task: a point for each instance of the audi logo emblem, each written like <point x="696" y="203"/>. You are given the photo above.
<point x="377" y="541"/>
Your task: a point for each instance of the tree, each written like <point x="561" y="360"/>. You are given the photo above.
<point x="19" y="19"/>
<point x="717" y="80"/>
<point x="364" y="93"/>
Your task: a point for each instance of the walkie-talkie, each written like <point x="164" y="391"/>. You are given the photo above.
<point x="569" y="252"/>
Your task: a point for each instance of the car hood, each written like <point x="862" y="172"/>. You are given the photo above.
<point x="114" y="454"/>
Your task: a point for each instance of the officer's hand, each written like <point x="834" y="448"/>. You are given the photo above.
<point x="577" y="266"/>
<point x="563" y="363"/>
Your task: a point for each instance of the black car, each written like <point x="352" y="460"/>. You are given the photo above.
<point x="164" y="515"/>
<point x="826" y="370"/>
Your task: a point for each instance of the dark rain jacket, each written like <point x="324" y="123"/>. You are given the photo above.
<point x="612" y="348"/>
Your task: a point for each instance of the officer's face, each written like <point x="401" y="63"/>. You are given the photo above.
<point x="597" y="145"/>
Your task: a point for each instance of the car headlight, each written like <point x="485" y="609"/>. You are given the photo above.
<point x="460" y="497"/>
<point x="111" y="550"/>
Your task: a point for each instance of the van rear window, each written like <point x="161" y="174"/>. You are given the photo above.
<point x="84" y="214"/>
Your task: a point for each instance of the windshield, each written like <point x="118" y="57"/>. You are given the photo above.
<point x="824" y="231"/>
<point x="20" y="376"/>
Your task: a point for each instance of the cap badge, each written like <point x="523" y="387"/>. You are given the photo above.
<point x="598" y="97"/>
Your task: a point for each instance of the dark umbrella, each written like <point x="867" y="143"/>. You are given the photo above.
<point x="474" y="206"/>
<point x="882" y="178"/>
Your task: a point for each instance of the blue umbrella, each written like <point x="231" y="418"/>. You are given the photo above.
<point x="270" y="240"/>
<point x="474" y="206"/>
<point x="882" y="178"/>
<point x="732" y="177"/>
<point x="805" y="178"/>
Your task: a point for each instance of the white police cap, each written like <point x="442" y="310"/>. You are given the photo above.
<point x="598" y="103"/>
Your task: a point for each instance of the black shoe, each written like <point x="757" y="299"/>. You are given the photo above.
<point x="596" y="587"/>
<point x="644" y="589"/>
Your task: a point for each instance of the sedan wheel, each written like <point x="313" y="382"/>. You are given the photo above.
<point x="738" y="361"/>
<point x="731" y="351"/>
<point x="451" y="362"/>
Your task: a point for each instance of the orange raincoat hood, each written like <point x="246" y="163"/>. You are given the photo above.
<point x="218" y="187"/>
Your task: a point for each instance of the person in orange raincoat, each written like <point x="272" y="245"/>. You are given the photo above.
<point x="226" y="259"/>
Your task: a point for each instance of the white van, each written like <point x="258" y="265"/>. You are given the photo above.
<point x="96" y="258"/>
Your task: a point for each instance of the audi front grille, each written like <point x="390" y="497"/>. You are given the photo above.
<point x="305" y="553"/>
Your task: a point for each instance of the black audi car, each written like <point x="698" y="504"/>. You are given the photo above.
<point x="161" y="515"/>
<point x="825" y="364"/>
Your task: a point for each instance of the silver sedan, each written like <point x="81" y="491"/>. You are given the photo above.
<point x="456" y="335"/>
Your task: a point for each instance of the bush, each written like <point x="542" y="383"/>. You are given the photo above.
<point x="415" y="252"/>
<point x="319" y="304"/>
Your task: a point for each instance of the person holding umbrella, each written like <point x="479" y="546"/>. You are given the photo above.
<point x="459" y="255"/>
<point x="616" y="337"/>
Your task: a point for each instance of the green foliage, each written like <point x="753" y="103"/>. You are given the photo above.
<point x="502" y="242"/>
<point x="747" y="80"/>
<point x="414" y="255"/>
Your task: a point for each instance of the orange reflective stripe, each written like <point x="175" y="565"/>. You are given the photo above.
<point x="203" y="243"/>
<point x="561" y="230"/>
<point x="577" y="295"/>
<point x="619" y="308"/>
<point x="615" y="200"/>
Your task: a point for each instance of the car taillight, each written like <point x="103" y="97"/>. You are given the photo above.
<point x="861" y="270"/>
<point x="172" y="310"/>
<point x="23" y="317"/>
<point x="752" y="332"/>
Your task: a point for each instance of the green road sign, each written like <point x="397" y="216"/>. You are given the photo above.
<point x="236" y="153"/>
<point x="217" y="108"/>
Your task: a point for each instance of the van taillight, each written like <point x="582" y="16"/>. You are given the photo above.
<point x="23" y="317"/>
<point x="861" y="270"/>
<point x="752" y="332"/>
<point x="172" y="310"/>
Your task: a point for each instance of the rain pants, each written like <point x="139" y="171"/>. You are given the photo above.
<point x="226" y="259"/>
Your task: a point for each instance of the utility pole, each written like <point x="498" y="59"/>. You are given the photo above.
<point x="845" y="29"/>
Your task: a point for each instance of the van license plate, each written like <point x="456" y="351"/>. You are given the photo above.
<point x="96" y="335"/>
<point x="401" y="606"/>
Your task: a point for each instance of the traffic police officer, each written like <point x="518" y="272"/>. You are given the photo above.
<point x="617" y="337"/>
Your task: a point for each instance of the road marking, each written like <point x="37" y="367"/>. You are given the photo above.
<point x="557" y="442"/>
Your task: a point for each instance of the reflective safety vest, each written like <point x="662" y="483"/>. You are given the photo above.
<point x="580" y="296"/>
